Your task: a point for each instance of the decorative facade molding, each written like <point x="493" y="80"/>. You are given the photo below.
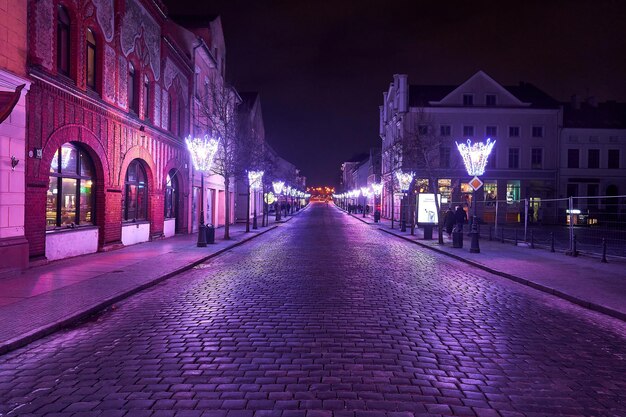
<point x="137" y="22"/>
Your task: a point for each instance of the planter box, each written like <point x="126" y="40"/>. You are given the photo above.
<point x="169" y="227"/>
<point x="133" y="233"/>
<point x="62" y="244"/>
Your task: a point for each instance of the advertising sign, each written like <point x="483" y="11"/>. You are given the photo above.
<point x="426" y="208"/>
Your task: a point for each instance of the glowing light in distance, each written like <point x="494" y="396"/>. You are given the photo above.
<point x="255" y="179"/>
<point x="278" y="186"/>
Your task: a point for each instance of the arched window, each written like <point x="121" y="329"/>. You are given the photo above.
<point x="146" y="99"/>
<point x="91" y="60"/>
<point x="132" y="90"/>
<point x="70" y="199"/>
<point x="171" y="195"/>
<point x="136" y="193"/>
<point x="63" y="41"/>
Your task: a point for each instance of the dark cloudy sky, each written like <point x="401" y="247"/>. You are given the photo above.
<point x="321" y="66"/>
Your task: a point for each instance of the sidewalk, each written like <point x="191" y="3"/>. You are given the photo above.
<point x="582" y="280"/>
<point x="47" y="298"/>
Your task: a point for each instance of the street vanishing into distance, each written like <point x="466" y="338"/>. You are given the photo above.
<point x="327" y="316"/>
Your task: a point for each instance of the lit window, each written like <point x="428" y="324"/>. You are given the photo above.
<point x="91" y="60"/>
<point x="63" y="41"/>
<point x="70" y="197"/>
<point x="135" y="193"/>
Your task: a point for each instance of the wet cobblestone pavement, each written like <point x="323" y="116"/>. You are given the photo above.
<point x="327" y="316"/>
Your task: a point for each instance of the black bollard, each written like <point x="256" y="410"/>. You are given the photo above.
<point x="574" y="250"/>
<point x="604" y="251"/>
<point x="552" y="242"/>
<point x="532" y="239"/>
<point x="516" y="237"/>
<point x="502" y="235"/>
<point x="490" y="233"/>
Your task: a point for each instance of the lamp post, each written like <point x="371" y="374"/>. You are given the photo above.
<point x="278" y="188"/>
<point x="365" y="191"/>
<point x="475" y="160"/>
<point x="202" y="152"/>
<point x="377" y="187"/>
<point x="404" y="181"/>
<point x="254" y="181"/>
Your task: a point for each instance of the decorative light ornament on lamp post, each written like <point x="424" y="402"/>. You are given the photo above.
<point x="404" y="181"/>
<point x="202" y="153"/>
<point x="377" y="188"/>
<point x="255" y="179"/>
<point x="278" y="189"/>
<point x="475" y="159"/>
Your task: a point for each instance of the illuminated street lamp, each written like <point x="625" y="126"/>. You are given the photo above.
<point x="278" y="189"/>
<point x="475" y="159"/>
<point x="404" y="181"/>
<point x="202" y="153"/>
<point x="255" y="180"/>
<point x="377" y="188"/>
<point x="365" y="191"/>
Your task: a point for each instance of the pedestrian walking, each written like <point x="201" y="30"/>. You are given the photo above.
<point x="449" y="221"/>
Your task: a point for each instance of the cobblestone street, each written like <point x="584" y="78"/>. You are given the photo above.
<point x="326" y="316"/>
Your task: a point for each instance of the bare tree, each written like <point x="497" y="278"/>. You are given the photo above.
<point x="425" y="149"/>
<point x="217" y="115"/>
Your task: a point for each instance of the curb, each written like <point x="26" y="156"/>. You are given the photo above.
<point x="578" y="301"/>
<point x="78" y="317"/>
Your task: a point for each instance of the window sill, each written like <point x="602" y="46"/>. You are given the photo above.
<point x="134" y="222"/>
<point x="71" y="229"/>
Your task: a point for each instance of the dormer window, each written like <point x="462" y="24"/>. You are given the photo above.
<point x="468" y="99"/>
<point x="490" y="100"/>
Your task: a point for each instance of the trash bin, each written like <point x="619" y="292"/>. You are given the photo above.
<point x="457" y="239"/>
<point x="376" y="216"/>
<point x="428" y="232"/>
<point x="210" y="234"/>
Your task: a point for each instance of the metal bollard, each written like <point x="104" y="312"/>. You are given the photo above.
<point x="574" y="250"/>
<point x="552" y="242"/>
<point x="532" y="239"/>
<point x="502" y="235"/>
<point x="516" y="237"/>
<point x="603" y="251"/>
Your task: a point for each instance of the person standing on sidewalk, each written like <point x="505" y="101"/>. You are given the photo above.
<point x="460" y="216"/>
<point x="448" y="221"/>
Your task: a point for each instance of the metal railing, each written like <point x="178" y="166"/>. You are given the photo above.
<point x="592" y="225"/>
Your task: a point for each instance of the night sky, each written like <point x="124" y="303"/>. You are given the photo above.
<point x="321" y="66"/>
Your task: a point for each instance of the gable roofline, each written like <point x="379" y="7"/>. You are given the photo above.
<point x="481" y="73"/>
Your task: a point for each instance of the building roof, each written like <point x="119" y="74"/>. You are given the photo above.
<point x="421" y="95"/>
<point x="606" y="115"/>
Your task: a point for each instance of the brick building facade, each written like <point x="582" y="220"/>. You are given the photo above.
<point x="108" y="116"/>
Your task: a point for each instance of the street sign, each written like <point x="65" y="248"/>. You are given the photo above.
<point x="475" y="183"/>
